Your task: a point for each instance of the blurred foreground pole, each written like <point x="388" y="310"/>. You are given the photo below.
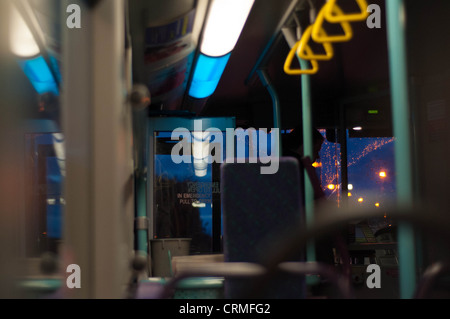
<point x="10" y="159"/>
<point x="98" y="234"/>
<point x="396" y="24"/>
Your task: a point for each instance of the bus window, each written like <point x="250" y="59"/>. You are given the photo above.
<point x="44" y="179"/>
<point x="184" y="195"/>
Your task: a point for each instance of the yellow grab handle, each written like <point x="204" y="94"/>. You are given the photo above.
<point x="302" y="50"/>
<point x="318" y="33"/>
<point x="290" y="57"/>
<point x="336" y="17"/>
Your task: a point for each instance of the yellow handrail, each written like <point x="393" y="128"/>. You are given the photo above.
<point x="336" y="17"/>
<point x="318" y="33"/>
<point x="333" y="14"/>
<point x="290" y="57"/>
<point x="302" y="50"/>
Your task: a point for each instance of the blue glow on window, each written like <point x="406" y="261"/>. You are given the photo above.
<point x="207" y="74"/>
<point x="39" y="74"/>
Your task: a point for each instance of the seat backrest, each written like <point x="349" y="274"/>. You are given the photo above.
<point x="257" y="209"/>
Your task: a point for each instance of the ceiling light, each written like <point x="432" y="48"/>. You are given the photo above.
<point x="207" y="74"/>
<point x="39" y="74"/>
<point x="224" y="24"/>
<point x="21" y="40"/>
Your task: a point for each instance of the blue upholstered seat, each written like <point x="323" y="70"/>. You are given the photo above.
<point x="257" y="210"/>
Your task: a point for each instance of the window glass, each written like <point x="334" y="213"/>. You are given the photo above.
<point x="185" y="193"/>
<point x="44" y="176"/>
<point x="370" y="174"/>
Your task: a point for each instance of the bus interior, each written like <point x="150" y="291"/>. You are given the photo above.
<point x="192" y="149"/>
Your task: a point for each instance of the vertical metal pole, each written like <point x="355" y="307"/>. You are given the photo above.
<point x="402" y="132"/>
<point x="141" y="215"/>
<point x="308" y="151"/>
<point x="307" y="144"/>
<point x="275" y="105"/>
<point x="140" y="147"/>
<point x="216" y="211"/>
<point x="150" y="182"/>
<point x="344" y="159"/>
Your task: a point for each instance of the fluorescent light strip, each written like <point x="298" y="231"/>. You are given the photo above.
<point x="207" y="74"/>
<point x="224" y="24"/>
<point x="39" y="75"/>
<point x="21" y="40"/>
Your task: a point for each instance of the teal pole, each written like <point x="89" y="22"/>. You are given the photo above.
<point x="307" y="151"/>
<point x="141" y="212"/>
<point x="140" y="149"/>
<point x="275" y="105"/>
<point x="401" y="123"/>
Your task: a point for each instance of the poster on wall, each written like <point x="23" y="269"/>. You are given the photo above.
<point x="168" y="56"/>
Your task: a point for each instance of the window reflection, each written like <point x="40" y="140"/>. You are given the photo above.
<point x="370" y="162"/>
<point x="370" y="173"/>
<point x="44" y="181"/>
<point x="186" y="193"/>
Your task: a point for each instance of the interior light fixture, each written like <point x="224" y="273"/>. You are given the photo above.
<point x="25" y="47"/>
<point x="39" y="74"/>
<point x="21" y="40"/>
<point x="207" y="74"/>
<point x="223" y="26"/>
<point x="357" y="128"/>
